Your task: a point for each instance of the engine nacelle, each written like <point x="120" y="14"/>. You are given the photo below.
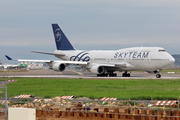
<point x="97" y="69"/>
<point x="59" y="67"/>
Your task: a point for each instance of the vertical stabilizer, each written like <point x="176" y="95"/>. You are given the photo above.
<point x="62" y="43"/>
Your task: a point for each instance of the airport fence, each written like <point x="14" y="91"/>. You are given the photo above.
<point x="3" y="103"/>
<point x="78" y="111"/>
<point x="110" y="113"/>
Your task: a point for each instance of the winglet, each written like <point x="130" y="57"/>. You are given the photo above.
<point x="9" y="58"/>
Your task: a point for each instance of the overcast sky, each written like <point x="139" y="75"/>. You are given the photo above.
<point x="25" y="25"/>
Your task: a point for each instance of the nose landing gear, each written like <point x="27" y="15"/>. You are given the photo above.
<point x="158" y="75"/>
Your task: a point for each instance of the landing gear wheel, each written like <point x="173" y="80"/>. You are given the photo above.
<point x="112" y="74"/>
<point x="102" y="75"/>
<point x="158" y="75"/>
<point x="106" y="75"/>
<point x="125" y="74"/>
<point x="128" y="75"/>
<point x="115" y="74"/>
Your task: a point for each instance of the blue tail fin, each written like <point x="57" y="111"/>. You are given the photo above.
<point x="62" y="43"/>
<point x="9" y="58"/>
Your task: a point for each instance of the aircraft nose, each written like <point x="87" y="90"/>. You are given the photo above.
<point x="171" y="60"/>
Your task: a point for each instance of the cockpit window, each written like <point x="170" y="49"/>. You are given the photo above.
<point x="162" y="50"/>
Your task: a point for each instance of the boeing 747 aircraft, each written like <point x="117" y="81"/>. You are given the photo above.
<point x="106" y="62"/>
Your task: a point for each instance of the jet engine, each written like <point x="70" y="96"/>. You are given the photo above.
<point x="97" y="69"/>
<point x="59" y="67"/>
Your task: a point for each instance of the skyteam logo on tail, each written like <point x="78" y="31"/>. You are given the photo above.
<point x="82" y="56"/>
<point x="57" y="34"/>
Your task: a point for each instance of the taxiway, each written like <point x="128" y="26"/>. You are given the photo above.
<point x="82" y="74"/>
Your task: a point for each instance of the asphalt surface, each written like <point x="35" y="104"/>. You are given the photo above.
<point x="81" y="74"/>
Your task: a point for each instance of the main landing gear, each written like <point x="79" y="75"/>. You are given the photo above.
<point x="126" y="74"/>
<point x="110" y="74"/>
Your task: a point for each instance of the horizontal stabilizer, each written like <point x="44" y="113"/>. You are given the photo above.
<point x="48" y="53"/>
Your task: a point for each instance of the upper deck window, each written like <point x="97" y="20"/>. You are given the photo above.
<point x="162" y="50"/>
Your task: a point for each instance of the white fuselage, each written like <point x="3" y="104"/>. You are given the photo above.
<point x="137" y="58"/>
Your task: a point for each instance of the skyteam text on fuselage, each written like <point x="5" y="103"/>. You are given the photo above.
<point x="106" y="62"/>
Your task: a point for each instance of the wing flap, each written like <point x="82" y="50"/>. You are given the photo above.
<point x="119" y="65"/>
<point x="124" y="65"/>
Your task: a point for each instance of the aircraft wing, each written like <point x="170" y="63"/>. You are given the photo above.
<point x="27" y="60"/>
<point x="48" y="61"/>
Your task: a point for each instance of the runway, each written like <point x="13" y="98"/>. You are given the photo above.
<point x="81" y="74"/>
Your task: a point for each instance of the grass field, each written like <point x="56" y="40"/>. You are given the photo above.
<point x="175" y="70"/>
<point x="159" y="89"/>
